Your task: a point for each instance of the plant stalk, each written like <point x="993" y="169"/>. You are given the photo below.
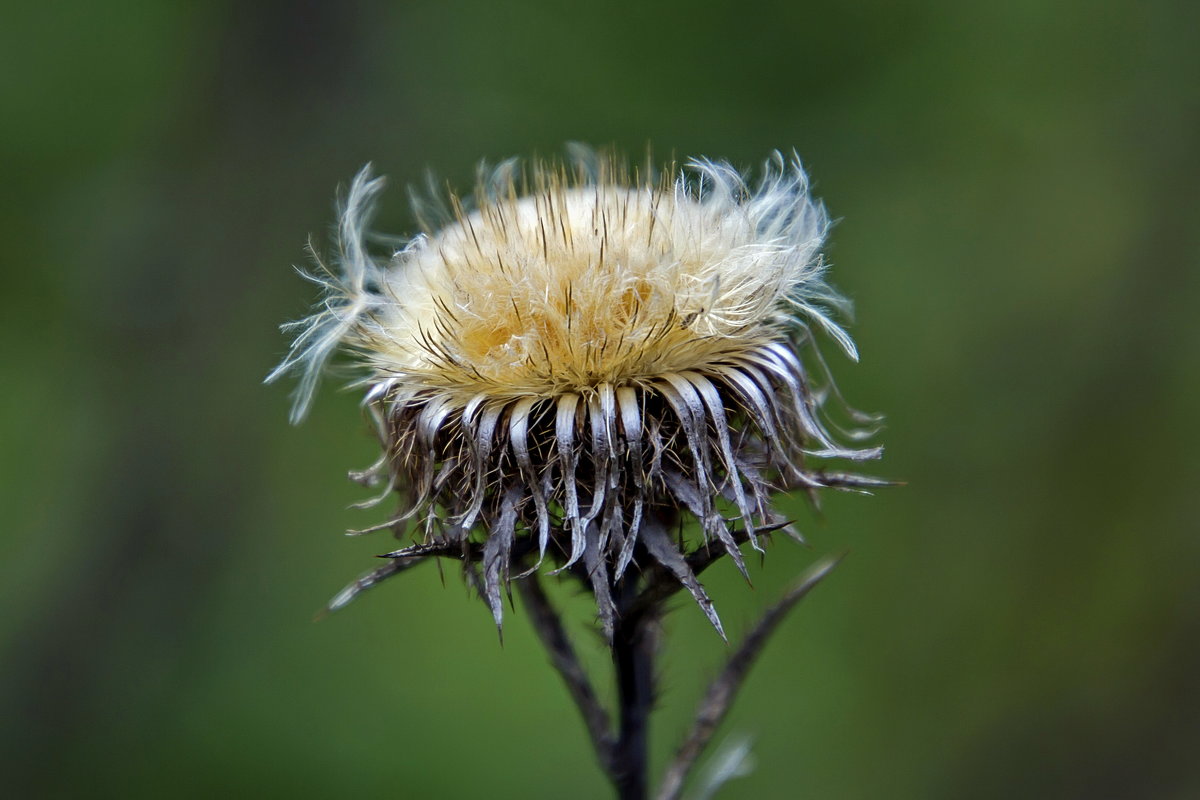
<point x="633" y="649"/>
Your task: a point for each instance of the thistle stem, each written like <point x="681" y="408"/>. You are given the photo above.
<point x="633" y="647"/>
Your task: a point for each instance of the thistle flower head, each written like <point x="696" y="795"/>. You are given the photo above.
<point x="582" y="354"/>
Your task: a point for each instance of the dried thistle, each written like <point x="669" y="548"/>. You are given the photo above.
<point x="578" y="358"/>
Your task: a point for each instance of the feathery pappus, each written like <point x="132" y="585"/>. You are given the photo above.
<point x="568" y="363"/>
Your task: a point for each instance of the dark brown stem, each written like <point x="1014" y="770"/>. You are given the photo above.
<point x="633" y="647"/>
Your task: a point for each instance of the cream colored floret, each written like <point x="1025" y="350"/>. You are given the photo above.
<point x="575" y="279"/>
<point x="572" y="287"/>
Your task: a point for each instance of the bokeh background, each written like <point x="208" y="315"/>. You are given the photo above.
<point x="1017" y="189"/>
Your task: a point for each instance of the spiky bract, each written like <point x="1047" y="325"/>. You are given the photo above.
<point x="586" y="353"/>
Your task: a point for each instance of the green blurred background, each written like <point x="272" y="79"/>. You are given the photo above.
<point x="1017" y="189"/>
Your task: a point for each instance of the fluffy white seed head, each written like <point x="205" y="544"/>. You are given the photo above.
<point x="575" y="282"/>
<point x="574" y="286"/>
<point x="583" y="354"/>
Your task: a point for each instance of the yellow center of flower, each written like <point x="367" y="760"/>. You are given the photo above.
<point x="571" y="287"/>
